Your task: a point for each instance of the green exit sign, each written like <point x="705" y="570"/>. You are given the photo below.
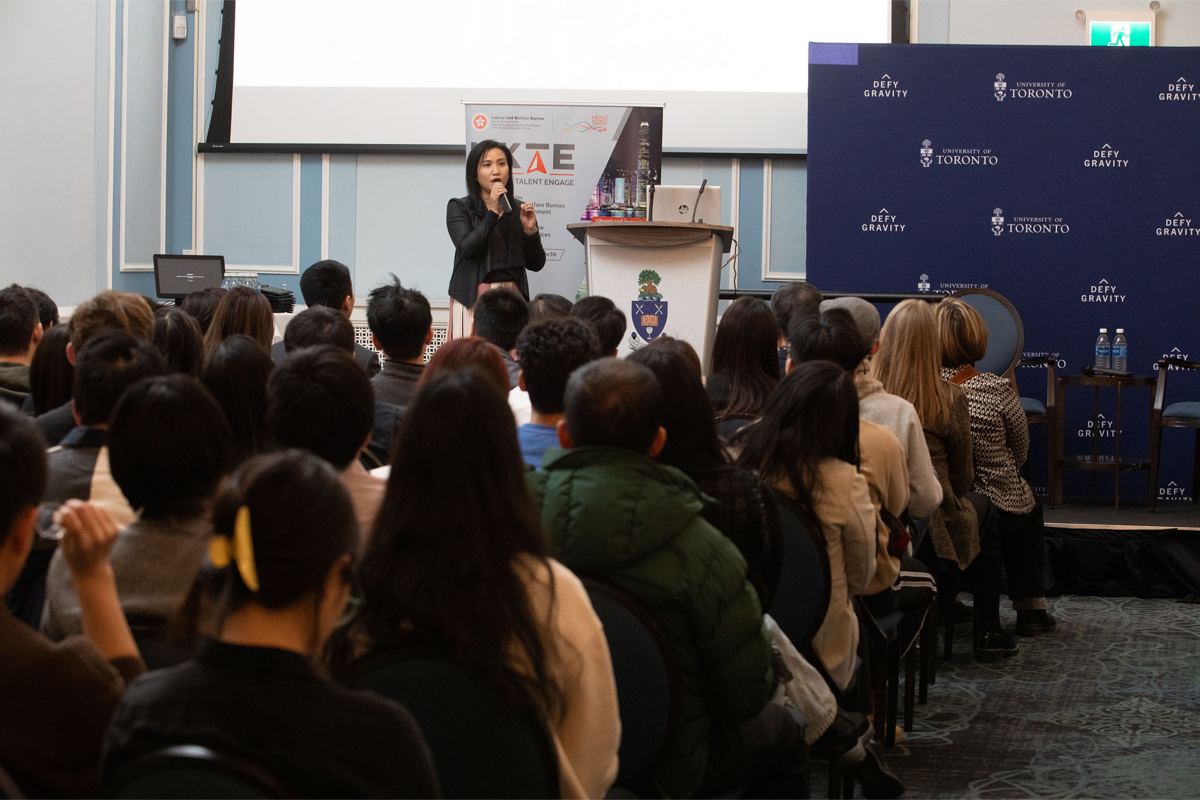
<point x="1120" y="34"/>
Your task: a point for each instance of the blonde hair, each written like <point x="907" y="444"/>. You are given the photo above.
<point x="908" y="359"/>
<point x="963" y="332"/>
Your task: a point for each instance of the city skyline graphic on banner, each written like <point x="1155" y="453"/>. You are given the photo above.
<point x="623" y="191"/>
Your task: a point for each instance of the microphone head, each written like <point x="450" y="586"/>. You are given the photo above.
<point x="1089" y="370"/>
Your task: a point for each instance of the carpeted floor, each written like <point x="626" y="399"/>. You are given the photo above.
<point x="1107" y="706"/>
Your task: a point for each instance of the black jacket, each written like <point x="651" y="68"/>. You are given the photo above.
<point x="470" y="226"/>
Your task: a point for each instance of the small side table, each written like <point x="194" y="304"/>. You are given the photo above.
<point x="1095" y="462"/>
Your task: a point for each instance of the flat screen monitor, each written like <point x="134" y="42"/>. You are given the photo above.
<point x="178" y="276"/>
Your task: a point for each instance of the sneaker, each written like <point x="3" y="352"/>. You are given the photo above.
<point x="874" y="775"/>
<point x="1032" y="623"/>
<point x="842" y="743"/>
<point x="995" y="645"/>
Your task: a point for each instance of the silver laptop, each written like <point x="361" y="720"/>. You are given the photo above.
<point x="676" y="203"/>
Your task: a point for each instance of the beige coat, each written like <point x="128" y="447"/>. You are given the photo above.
<point x="882" y="463"/>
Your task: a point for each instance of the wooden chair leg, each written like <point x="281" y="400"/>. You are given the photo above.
<point x="835" y="783"/>
<point x="893" y="692"/>
<point x="1155" y="451"/>
<point x="932" y="625"/>
<point x="910" y="687"/>
<point x="949" y="645"/>
<point x="879" y="688"/>
<point x="1195" y="467"/>
<point x="848" y="785"/>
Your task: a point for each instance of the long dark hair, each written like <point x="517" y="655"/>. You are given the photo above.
<point x="178" y="337"/>
<point x="692" y="442"/>
<point x="746" y="356"/>
<point x="439" y="569"/>
<point x="236" y="374"/>
<point x="473" y="159"/>
<point x="811" y="416"/>
<point x="51" y="374"/>
<point x="242" y="311"/>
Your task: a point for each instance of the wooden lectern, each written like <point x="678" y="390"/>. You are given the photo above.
<point x="663" y="275"/>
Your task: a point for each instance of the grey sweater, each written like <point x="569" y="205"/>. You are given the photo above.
<point x="898" y="416"/>
<point x="155" y="562"/>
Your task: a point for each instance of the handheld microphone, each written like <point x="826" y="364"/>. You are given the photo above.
<point x="505" y="203"/>
<point x="696" y="205"/>
<point x="1092" y="372"/>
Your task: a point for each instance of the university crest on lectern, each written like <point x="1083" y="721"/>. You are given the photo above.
<point x="649" y="312"/>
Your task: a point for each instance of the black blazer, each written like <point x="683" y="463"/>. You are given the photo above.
<point x="470" y="225"/>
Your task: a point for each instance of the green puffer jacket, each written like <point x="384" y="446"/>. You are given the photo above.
<point x="621" y="517"/>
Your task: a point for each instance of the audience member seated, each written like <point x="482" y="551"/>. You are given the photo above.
<point x="549" y="352"/>
<point x="328" y="284"/>
<point x="203" y="305"/>
<point x="1000" y="445"/>
<point x="285" y="541"/>
<point x="402" y="327"/>
<point x="242" y="311"/>
<point x="746" y="513"/>
<point x="900" y="582"/>
<point x="177" y="336"/>
<point x="56" y="699"/>
<point x="525" y="627"/>
<point x="608" y="320"/>
<point x="792" y="300"/>
<point x="546" y="306"/>
<point x="168" y="445"/>
<point x="323" y="325"/>
<point x="610" y="510"/>
<point x="962" y="531"/>
<point x="468" y="351"/>
<point x="51" y="373"/>
<point x="47" y="308"/>
<point x="236" y="375"/>
<point x="20" y="332"/>
<point x="806" y="446"/>
<point x="745" y="364"/>
<point x="109" y="363"/>
<point x="320" y="400"/>
<point x="500" y="316"/>
<point x="108" y="309"/>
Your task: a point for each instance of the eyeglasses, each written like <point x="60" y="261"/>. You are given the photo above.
<point x="353" y="604"/>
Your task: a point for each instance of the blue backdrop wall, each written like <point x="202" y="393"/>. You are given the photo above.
<point x="1065" y="178"/>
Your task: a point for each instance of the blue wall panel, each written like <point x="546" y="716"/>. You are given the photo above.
<point x="248" y="209"/>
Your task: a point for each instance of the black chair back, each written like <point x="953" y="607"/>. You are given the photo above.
<point x="802" y="597"/>
<point x="186" y="772"/>
<point x="646" y="670"/>
<point x="156" y="641"/>
<point x="480" y="746"/>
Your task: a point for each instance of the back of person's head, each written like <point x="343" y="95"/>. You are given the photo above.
<point x="608" y="320"/>
<point x="326" y="283"/>
<point x="22" y="467"/>
<point x="156" y="308"/>
<point x="500" y="316"/>
<point x="546" y="306"/>
<point x="18" y="321"/>
<point x="110" y="309"/>
<point x="243" y="311"/>
<point x="168" y="446"/>
<point x="300" y="521"/>
<point x="962" y="332"/>
<point x="549" y="352"/>
<point x="434" y="536"/>
<point x="614" y="403"/>
<point x="236" y="375"/>
<point x="909" y="360"/>
<point x="177" y="336"/>
<point x="468" y="351"/>
<point x="319" y="325"/>
<point x="203" y="305"/>
<point x="832" y="336"/>
<point x="47" y="308"/>
<point x="864" y="314"/>
<point x="321" y="400"/>
<point x="108" y="364"/>
<point x="681" y="348"/>
<point x="794" y="299"/>
<point x="400" y="319"/>
<point x="812" y="416"/>
<point x="746" y="356"/>
<point x="692" y="443"/>
<point x="51" y="373"/>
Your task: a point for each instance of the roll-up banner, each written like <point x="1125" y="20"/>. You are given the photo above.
<point x="573" y="163"/>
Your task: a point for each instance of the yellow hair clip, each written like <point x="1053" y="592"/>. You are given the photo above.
<point x="221" y="550"/>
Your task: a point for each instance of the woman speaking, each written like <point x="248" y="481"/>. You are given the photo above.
<point x="493" y="246"/>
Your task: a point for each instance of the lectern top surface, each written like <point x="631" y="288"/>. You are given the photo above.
<point x="579" y="229"/>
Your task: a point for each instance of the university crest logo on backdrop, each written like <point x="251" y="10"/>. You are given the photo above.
<point x="649" y="311"/>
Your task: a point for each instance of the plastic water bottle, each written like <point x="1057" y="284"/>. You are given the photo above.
<point x="1120" y="352"/>
<point x="1103" y="351"/>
